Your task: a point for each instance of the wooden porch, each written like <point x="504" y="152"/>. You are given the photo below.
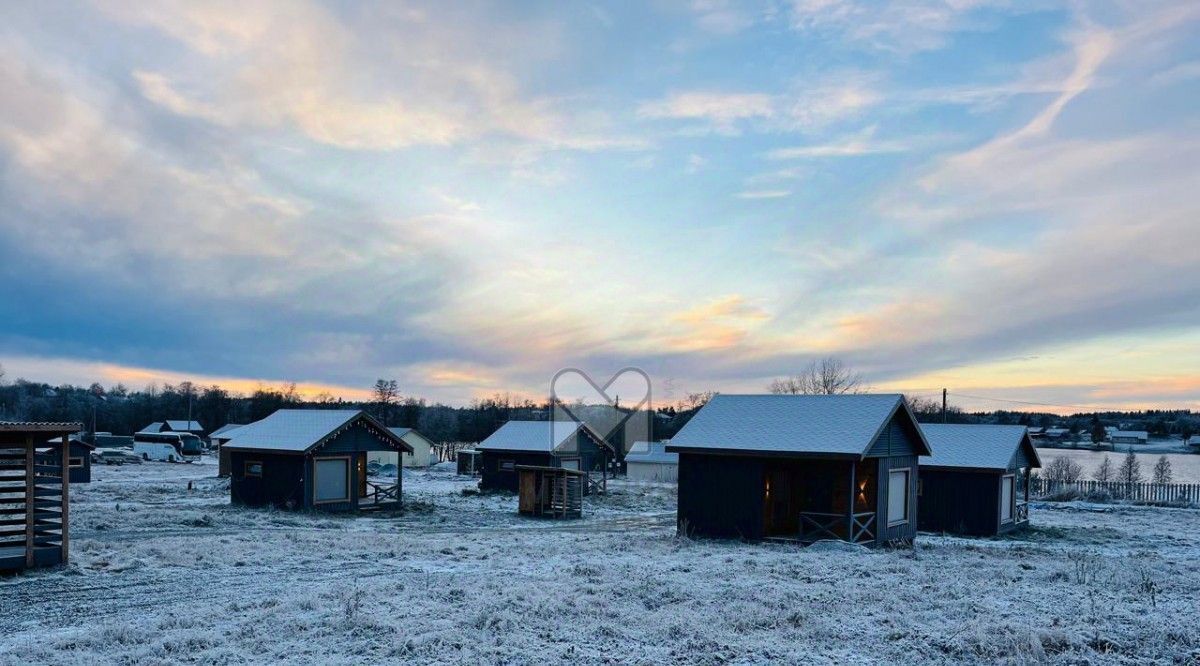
<point x="811" y="500"/>
<point x="380" y="496"/>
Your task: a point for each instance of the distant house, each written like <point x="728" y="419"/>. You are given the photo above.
<point x="977" y="480"/>
<point x="311" y="459"/>
<point x="1193" y="441"/>
<point x="422" y="450"/>
<point x="649" y="461"/>
<point x="1037" y="433"/>
<point x="800" y="467"/>
<point x="80" y="457"/>
<point x="218" y="438"/>
<point x="1057" y="434"/>
<point x="192" y="427"/>
<point x="566" y="444"/>
<point x="1129" y="437"/>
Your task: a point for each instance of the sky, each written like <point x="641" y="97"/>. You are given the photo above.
<point x="1000" y="198"/>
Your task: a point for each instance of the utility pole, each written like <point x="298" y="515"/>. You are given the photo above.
<point x="943" y="405"/>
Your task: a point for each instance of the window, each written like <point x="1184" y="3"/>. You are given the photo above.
<point x="897" y="497"/>
<point x="506" y="465"/>
<point x="253" y="468"/>
<point x="76" y="462"/>
<point x="1006" y="499"/>
<point x="569" y="463"/>
<point x="331" y="482"/>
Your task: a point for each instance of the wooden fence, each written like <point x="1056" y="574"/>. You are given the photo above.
<point x="1151" y="493"/>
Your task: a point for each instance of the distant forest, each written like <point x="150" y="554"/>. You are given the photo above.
<point x="121" y="411"/>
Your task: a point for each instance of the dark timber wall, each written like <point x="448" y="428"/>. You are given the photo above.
<point x="493" y="478"/>
<point x="282" y="482"/>
<point x="907" y="529"/>
<point x="960" y="502"/>
<point x="721" y="495"/>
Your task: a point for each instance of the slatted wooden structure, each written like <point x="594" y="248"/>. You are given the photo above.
<point x="1150" y="493"/>
<point x="550" y="492"/>
<point x="34" y="495"/>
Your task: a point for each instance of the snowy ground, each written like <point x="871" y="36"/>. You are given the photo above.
<point x="162" y="574"/>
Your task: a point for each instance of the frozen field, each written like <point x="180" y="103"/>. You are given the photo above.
<point x="159" y="574"/>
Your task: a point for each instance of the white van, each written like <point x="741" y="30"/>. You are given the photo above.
<point x="167" y="446"/>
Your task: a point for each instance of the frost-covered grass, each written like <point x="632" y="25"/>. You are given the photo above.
<point x="161" y="574"/>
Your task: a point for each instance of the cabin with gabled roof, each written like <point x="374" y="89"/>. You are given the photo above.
<point x="800" y="468"/>
<point x="976" y="483"/>
<point x="566" y="444"/>
<point x="312" y="459"/>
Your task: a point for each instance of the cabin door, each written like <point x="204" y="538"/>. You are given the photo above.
<point x="780" y="516"/>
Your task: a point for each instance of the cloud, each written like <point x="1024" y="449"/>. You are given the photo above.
<point x="763" y="194"/>
<point x="365" y="79"/>
<point x="856" y="145"/>
<point x="906" y="26"/>
<point x="807" y="105"/>
<point x="722" y="110"/>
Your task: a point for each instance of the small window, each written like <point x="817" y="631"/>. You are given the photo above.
<point x="253" y="468"/>
<point x="1006" y="499"/>
<point x="76" y="462"/>
<point x="897" y="497"/>
<point x="506" y="465"/>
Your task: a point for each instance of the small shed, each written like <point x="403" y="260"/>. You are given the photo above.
<point x="422" y="446"/>
<point x="550" y="492"/>
<point x="80" y="458"/>
<point x="468" y="462"/>
<point x="311" y="459"/>
<point x="218" y="438"/>
<point x="800" y="468"/>
<point x="650" y="462"/>
<point x="567" y="444"/>
<point x="34" y="495"/>
<point x="976" y="483"/>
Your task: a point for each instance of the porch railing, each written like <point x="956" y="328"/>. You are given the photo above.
<point x="383" y="493"/>
<point x="855" y="528"/>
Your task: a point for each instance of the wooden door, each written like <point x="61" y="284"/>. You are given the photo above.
<point x="528" y="491"/>
<point x="362" y="474"/>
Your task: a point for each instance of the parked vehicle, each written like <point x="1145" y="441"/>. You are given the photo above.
<point x="110" y="457"/>
<point x="167" y="446"/>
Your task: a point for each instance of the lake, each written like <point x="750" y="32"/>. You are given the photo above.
<point x="1185" y="467"/>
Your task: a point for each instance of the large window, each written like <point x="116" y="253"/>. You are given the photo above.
<point x="1006" y="498"/>
<point x="331" y="482"/>
<point x="898" y="497"/>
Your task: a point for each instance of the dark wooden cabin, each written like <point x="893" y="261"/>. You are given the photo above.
<point x="800" y="468"/>
<point x="34" y="495"/>
<point x="217" y="439"/>
<point x="550" y="492"/>
<point x="976" y="483"/>
<point x="311" y="459"/>
<point x="566" y="444"/>
<point x="80" y="458"/>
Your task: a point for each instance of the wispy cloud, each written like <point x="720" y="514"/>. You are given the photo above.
<point x="856" y="145"/>
<point x="763" y="194"/>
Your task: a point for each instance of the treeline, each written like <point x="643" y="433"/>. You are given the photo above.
<point x="121" y="411"/>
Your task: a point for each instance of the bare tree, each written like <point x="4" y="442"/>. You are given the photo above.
<point x="1130" y="471"/>
<point x="829" y="376"/>
<point x="693" y="401"/>
<point x="1104" y="473"/>
<point x="1063" y="470"/>
<point x="1162" y="470"/>
<point x="385" y="394"/>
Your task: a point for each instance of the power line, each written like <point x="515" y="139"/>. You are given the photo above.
<point x="1025" y="402"/>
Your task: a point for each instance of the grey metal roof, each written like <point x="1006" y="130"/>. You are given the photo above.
<point x="405" y="432"/>
<point x="183" y="425"/>
<point x="157" y="426"/>
<point x="812" y="424"/>
<point x="651" y="452"/>
<point x="225" y="431"/>
<point x="298" y="430"/>
<point x="545" y="436"/>
<point x="975" y="446"/>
